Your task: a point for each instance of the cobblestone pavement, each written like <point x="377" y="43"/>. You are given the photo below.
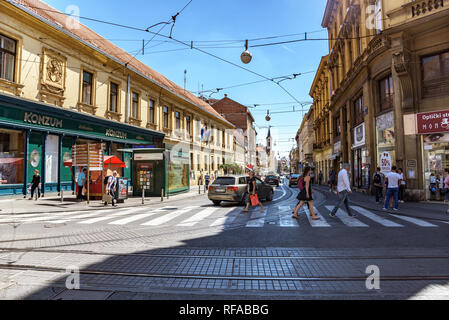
<point x="221" y="254"/>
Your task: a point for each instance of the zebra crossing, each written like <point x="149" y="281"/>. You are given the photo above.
<point x="211" y="216"/>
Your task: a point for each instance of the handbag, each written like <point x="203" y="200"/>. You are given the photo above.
<point x="107" y="198"/>
<point x="254" y="200"/>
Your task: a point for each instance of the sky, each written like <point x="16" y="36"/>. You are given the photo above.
<point x="233" y="20"/>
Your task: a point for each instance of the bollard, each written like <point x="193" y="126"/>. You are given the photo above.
<point x="62" y="195"/>
<point x="199" y="189"/>
<point x="143" y="195"/>
<point x="162" y="195"/>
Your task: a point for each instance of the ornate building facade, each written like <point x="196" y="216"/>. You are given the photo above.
<point x="388" y="64"/>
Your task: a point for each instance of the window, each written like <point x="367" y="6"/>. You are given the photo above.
<point x="435" y="70"/>
<point x="151" y="105"/>
<point x="51" y="158"/>
<point x="113" y="97"/>
<point x="7" y="58"/>
<point x="337" y="127"/>
<point x="192" y="166"/>
<point x="135" y="105"/>
<point x="165" y="110"/>
<point x="206" y="165"/>
<point x="12" y="155"/>
<point x="178" y="120"/>
<point x="358" y="111"/>
<point x="87" y="88"/>
<point x="188" y="124"/>
<point x="198" y="163"/>
<point x="386" y="93"/>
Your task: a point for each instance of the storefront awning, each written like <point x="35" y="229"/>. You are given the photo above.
<point x="108" y="160"/>
<point x="11" y="160"/>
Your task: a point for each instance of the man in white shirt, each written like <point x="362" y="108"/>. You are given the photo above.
<point x="394" y="180"/>
<point x="343" y="190"/>
<point x="110" y="187"/>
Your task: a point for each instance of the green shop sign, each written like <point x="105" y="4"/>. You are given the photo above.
<point x="91" y="128"/>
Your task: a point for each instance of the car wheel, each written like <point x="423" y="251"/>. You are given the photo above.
<point x="270" y="196"/>
<point x="216" y="203"/>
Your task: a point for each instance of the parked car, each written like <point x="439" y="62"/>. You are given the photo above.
<point x="293" y="181"/>
<point x="272" y="180"/>
<point x="235" y="189"/>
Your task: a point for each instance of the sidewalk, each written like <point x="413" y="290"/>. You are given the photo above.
<point x="52" y="203"/>
<point x="425" y="210"/>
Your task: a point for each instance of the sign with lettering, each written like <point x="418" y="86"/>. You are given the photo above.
<point x="47" y="121"/>
<point x="359" y="136"/>
<point x="433" y="122"/>
<point x="385" y="162"/>
<point x="116" y="134"/>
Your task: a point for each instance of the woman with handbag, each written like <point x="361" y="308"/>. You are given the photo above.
<point x="305" y="195"/>
<point x="252" y="198"/>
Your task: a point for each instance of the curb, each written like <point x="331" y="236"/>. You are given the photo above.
<point x="108" y="208"/>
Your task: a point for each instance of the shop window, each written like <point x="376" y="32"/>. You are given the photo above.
<point x="7" y="58"/>
<point x="386" y="93"/>
<point x="435" y="73"/>
<point x="151" y="111"/>
<point x="165" y="110"/>
<point x="135" y="106"/>
<point x="113" y="97"/>
<point x="51" y="159"/>
<point x="358" y="111"/>
<point x="12" y="157"/>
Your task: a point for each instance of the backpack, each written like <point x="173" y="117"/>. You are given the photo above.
<point x="301" y="184"/>
<point x="377" y="178"/>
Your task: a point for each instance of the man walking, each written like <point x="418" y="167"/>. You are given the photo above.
<point x="206" y="181"/>
<point x="378" y="179"/>
<point x="332" y="179"/>
<point x="81" y="181"/>
<point x="343" y="191"/>
<point x="110" y="187"/>
<point x="393" y="179"/>
<point x="35" y="185"/>
<point x="320" y="178"/>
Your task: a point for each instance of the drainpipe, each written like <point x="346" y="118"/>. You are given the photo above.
<point x="127" y="99"/>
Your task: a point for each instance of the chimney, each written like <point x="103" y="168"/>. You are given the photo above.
<point x="226" y="95"/>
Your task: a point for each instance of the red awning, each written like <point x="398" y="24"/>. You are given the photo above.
<point x="11" y="160"/>
<point x="108" y="160"/>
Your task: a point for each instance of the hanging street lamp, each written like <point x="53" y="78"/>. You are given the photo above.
<point x="246" y="56"/>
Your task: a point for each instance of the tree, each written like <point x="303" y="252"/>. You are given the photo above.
<point x="231" y="168"/>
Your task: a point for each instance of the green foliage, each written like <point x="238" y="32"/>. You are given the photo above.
<point x="231" y="168"/>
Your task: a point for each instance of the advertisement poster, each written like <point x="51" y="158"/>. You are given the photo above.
<point x="122" y="193"/>
<point x="385" y="162"/>
<point x="145" y="176"/>
<point x="178" y="176"/>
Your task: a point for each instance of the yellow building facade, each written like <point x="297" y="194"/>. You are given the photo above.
<point x="388" y="68"/>
<point x="54" y="65"/>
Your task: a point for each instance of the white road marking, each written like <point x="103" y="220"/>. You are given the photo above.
<point x="322" y="223"/>
<point x="418" y="222"/>
<point x="197" y="218"/>
<point x="90" y="215"/>
<point x="284" y="192"/>
<point x="228" y="218"/>
<point x="133" y="218"/>
<point x="347" y="220"/>
<point x="109" y="217"/>
<point x="376" y="218"/>
<point x="257" y="219"/>
<point x="168" y="217"/>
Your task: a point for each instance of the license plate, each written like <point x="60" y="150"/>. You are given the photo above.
<point x="220" y="190"/>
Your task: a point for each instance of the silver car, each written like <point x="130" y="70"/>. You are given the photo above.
<point x="235" y="189"/>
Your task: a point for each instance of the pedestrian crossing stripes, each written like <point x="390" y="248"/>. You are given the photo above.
<point x="215" y="216"/>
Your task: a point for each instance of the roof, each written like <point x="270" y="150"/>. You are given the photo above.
<point x="237" y="103"/>
<point x="90" y="37"/>
<point x="327" y="13"/>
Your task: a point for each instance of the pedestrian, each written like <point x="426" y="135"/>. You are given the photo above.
<point x="206" y="181"/>
<point x="252" y="190"/>
<point x="378" y="180"/>
<point x="394" y="180"/>
<point x="110" y="188"/>
<point x="81" y="181"/>
<point x="433" y="188"/>
<point x="320" y="178"/>
<point x="446" y="187"/>
<point x="305" y="195"/>
<point x="332" y="179"/>
<point x="312" y="176"/>
<point x="343" y="191"/>
<point x="36" y="184"/>
<point x="402" y="186"/>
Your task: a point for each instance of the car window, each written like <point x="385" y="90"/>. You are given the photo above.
<point x="224" y="181"/>
<point x="258" y="181"/>
<point x="243" y="181"/>
<point x="271" y="177"/>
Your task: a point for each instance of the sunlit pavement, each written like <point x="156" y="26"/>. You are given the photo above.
<point x="189" y="249"/>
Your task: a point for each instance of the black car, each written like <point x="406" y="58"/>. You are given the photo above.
<point x="272" y="180"/>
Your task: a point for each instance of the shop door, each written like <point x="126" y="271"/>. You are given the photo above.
<point x="66" y="154"/>
<point x="34" y="155"/>
<point x="436" y="160"/>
